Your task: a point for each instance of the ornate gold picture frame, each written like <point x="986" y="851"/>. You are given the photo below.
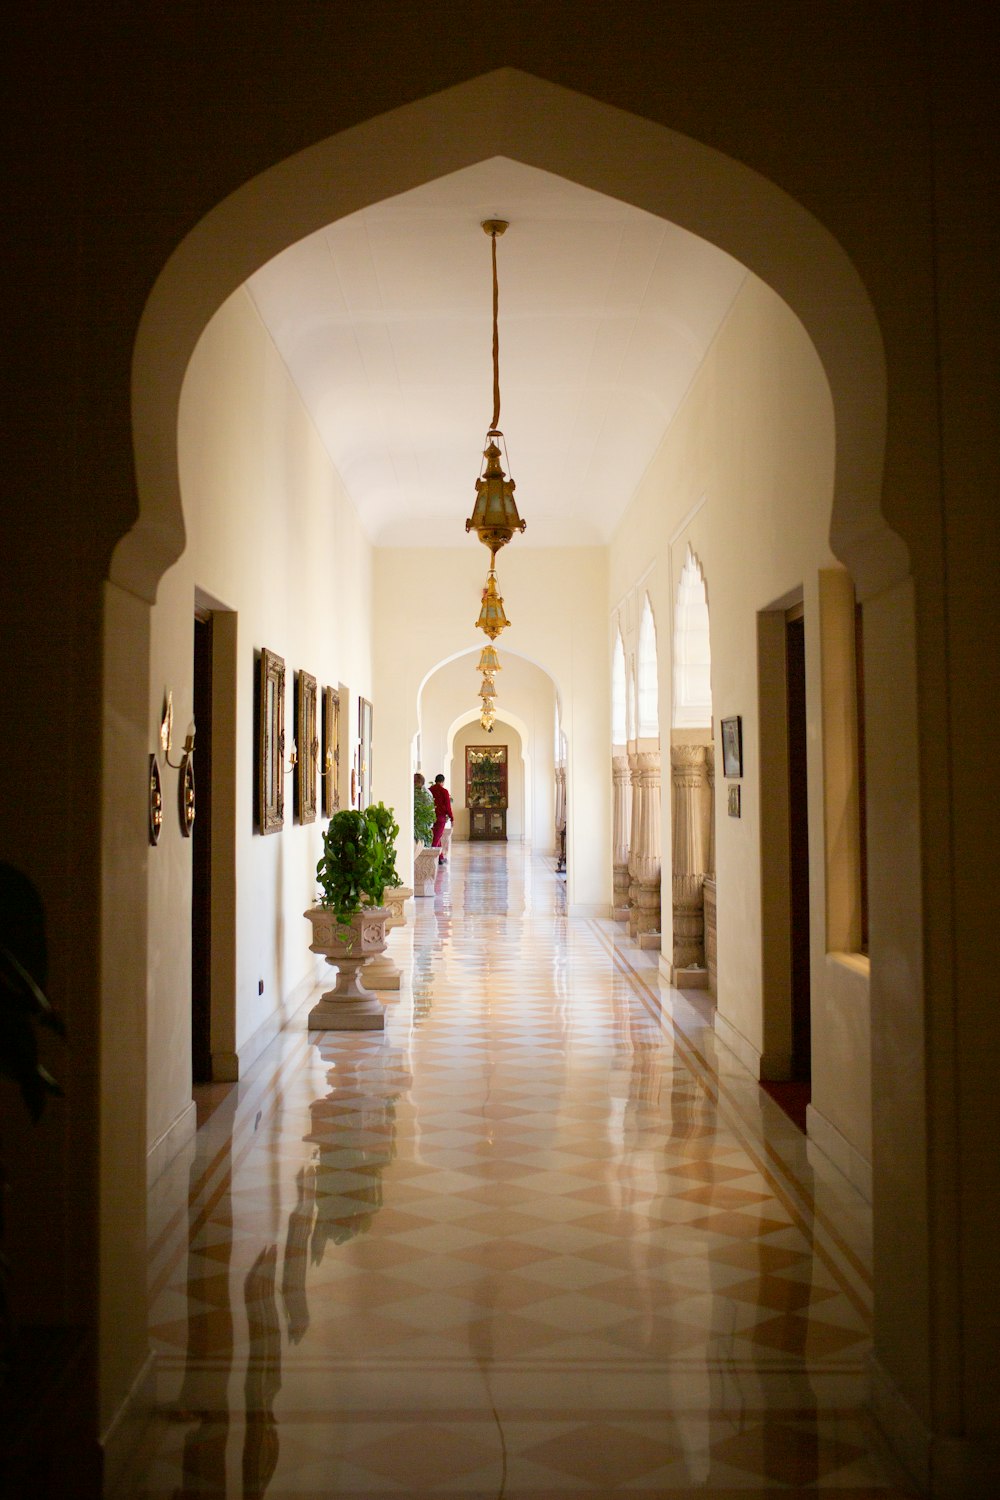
<point x="331" y="752"/>
<point x="306" y="745"/>
<point x="270" y="742"/>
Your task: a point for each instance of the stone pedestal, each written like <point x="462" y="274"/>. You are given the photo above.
<point x="644" y="851"/>
<point x="560" y="820"/>
<point x="425" y="868"/>
<point x="349" y="946"/>
<point x="711" y="950"/>
<point x="621" y="819"/>
<point x="381" y="973"/>
<point x="395" y="898"/>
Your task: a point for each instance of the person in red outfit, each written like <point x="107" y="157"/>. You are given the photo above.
<point x="442" y="811"/>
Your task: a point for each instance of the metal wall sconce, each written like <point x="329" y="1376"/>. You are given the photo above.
<point x="186" y="792"/>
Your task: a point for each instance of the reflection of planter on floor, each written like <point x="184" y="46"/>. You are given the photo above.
<point x="348" y="945"/>
<point x="425" y="868"/>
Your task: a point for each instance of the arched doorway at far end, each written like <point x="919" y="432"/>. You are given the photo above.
<point x="511" y="731"/>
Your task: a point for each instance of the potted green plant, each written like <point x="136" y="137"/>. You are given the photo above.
<point x="423" y="812"/>
<point x="348" y="922"/>
<point x="425" y="858"/>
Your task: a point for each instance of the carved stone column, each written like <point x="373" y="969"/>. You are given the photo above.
<point x="710" y="809"/>
<point x="560" y="819"/>
<point x="644" y="851"/>
<point x="622" y="815"/>
<point x="689" y="774"/>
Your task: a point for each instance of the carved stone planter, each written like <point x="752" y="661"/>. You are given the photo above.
<point x="395" y="898"/>
<point x="425" y="868"/>
<point x="349" y="1006"/>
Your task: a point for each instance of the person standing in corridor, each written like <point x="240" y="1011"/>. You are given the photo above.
<point x="442" y="812"/>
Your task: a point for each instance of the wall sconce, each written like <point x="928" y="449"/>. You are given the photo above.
<point x="185" y="765"/>
<point x="293" y="759"/>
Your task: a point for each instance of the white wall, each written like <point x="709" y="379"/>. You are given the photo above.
<point x="745" y="475"/>
<point x="525" y="691"/>
<point x="270" y="535"/>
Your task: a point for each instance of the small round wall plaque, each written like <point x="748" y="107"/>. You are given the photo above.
<point x="187" y="796"/>
<point x="155" y="801"/>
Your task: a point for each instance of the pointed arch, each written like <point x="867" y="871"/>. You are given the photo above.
<point x="619" y="715"/>
<point x="514" y="114"/>
<point x="648" y="694"/>
<point x="691" y="702"/>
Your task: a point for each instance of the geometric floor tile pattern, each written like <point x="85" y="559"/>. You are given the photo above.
<point x="541" y="1237"/>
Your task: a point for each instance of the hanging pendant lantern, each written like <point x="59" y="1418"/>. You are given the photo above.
<point x="489" y="662"/>
<point x="488" y="689"/>
<point x="494" y="516"/>
<point x="487" y="719"/>
<point x="492" y="619"/>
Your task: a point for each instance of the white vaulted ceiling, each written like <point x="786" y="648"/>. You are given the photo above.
<point x="384" y="321"/>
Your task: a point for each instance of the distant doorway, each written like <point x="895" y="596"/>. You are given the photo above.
<point x="201" y="856"/>
<point x="798" y="839"/>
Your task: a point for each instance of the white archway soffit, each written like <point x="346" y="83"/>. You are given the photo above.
<point x="512" y="114"/>
<point x="384" y="323"/>
<point x="475" y="651"/>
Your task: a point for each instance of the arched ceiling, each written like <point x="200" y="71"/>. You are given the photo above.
<point x="384" y="322"/>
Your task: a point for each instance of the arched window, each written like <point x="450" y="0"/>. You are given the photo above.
<point x="619" y="726"/>
<point x="649" y="712"/>
<point x="692" y="705"/>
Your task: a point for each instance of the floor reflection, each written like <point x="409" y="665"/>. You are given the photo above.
<point x="539" y="1238"/>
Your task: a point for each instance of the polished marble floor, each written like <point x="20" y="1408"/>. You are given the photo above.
<point x="544" y="1237"/>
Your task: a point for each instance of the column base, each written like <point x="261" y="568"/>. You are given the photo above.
<point x="651" y="939"/>
<point x="693" y="977"/>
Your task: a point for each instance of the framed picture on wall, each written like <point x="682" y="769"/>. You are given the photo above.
<point x="307" y="746"/>
<point x="331" y="751"/>
<point x="732" y="746"/>
<point x="270" y="782"/>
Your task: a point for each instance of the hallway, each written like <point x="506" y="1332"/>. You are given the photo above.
<point x="539" y="1238"/>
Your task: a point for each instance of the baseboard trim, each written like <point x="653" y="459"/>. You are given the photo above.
<point x="737" y="1043"/>
<point x="173" y="1140"/>
<point x="947" y="1468"/>
<point x="128" y="1427"/>
<point x="835" y="1146"/>
<point x="247" y="1052"/>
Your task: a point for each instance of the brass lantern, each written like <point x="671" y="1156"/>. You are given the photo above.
<point x="487" y="719"/>
<point x="488" y="689"/>
<point x="494" y="516"/>
<point x="489" y="662"/>
<point x="492" y="619"/>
